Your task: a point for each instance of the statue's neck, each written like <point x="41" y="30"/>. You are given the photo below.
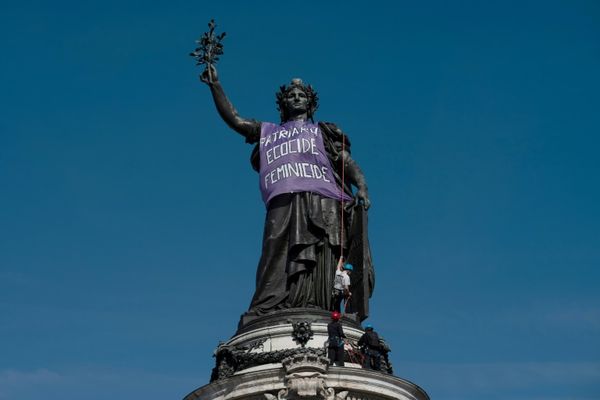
<point x="300" y="117"/>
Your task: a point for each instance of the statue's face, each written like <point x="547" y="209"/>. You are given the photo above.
<point x="296" y="101"/>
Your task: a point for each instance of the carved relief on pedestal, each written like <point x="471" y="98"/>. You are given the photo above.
<point x="305" y="379"/>
<point x="301" y="332"/>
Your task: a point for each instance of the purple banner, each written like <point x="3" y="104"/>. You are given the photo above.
<point x="293" y="159"/>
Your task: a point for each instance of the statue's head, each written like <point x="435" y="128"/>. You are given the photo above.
<point x="297" y="97"/>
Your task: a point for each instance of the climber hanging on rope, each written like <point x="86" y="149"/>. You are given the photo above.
<point x="341" y="286"/>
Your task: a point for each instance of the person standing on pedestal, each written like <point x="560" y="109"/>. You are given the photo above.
<point x="335" y="347"/>
<point x="369" y="341"/>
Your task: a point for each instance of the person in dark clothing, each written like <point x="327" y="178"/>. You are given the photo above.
<point x="335" y="348"/>
<point x="369" y="342"/>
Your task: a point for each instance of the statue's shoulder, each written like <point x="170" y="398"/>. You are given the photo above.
<point x="334" y="134"/>
<point x="330" y="127"/>
<point x="253" y="135"/>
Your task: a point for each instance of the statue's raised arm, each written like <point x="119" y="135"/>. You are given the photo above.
<point x="248" y="128"/>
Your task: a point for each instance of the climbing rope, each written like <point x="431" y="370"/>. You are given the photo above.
<point x="342" y="208"/>
<point x="354" y="354"/>
<point x="342" y="198"/>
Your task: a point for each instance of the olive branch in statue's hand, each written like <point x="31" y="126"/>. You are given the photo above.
<point x="209" y="46"/>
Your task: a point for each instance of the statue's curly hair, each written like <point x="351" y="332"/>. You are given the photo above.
<point x="311" y="94"/>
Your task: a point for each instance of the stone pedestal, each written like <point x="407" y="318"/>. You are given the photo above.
<point x="283" y="356"/>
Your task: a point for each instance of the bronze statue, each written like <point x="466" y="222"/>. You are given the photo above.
<point x="306" y="177"/>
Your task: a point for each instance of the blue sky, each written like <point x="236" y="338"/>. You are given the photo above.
<point x="130" y="220"/>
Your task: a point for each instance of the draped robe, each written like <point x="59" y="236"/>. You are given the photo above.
<point x="302" y="242"/>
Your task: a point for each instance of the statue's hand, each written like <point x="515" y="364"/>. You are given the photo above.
<point x="209" y="76"/>
<point x="363" y="198"/>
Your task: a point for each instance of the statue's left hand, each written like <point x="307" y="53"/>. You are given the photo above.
<point x="363" y="198"/>
<point x="209" y="76"/>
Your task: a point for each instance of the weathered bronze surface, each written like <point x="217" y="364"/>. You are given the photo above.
<point x="303" y="235"/>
